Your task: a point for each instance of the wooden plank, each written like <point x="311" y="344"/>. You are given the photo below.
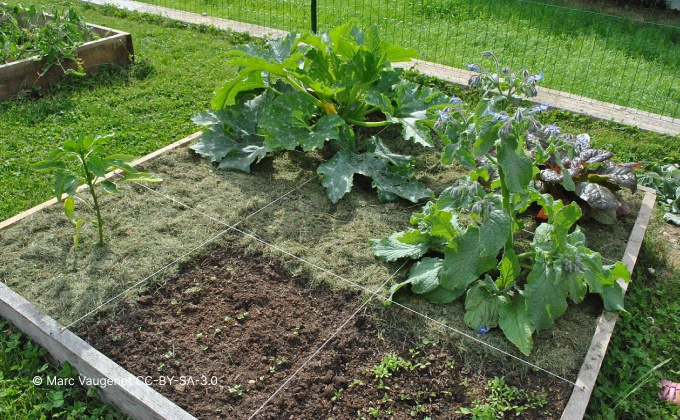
<point x="180" y="143"/>
<point x="118" y="386"/>
<point x="590" y="369"/>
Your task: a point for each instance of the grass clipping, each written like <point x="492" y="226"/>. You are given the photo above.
<point x="279" y="209"/>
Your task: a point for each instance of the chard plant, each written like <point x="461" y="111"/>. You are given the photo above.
<point x="464" y="242"/>
<point x="571" y="169"/>
<point x="83" y="161"/>
<point x="328" y="92"/>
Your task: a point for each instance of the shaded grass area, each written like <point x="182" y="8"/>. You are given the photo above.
<point x="21" y="360"/>
<point x="147" y="105"/>
<point x="585" y="52"/>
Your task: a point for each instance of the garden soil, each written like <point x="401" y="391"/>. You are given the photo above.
<point x="234" y="330"/>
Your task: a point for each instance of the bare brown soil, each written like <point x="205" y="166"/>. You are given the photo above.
<point x="232" y="328"/>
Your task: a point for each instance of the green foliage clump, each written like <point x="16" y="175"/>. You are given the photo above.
<point x="665" y="179"/>
<point x="23" y="397"/>
<point x="504" y="399"/>
<point x="329" y="92"/>
<point x="29" y="32"/>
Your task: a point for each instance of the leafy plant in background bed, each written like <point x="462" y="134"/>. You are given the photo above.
<point x="311" y="92"/>
<point x="665" y="179"/>
<point x="83" y="161"/>
<point x="28" y="32"/>
<point x="465" y="241"/>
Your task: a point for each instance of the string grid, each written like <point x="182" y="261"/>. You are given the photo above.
<point x="372" y="293"/>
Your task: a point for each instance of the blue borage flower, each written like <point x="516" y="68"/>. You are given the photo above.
<point x="538" y="108"/>
<point x="535" y="78"/>
<point x="483" y="329"/>
<point x="443" y="115"/>
<point x="456" y="101"/>
<point x="501" y="115"/>
<point x="552" y="130"/>
<point x="473" y="67"/>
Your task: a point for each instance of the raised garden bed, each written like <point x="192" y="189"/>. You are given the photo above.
<point x="112" y="47"/>
<point x="251" y="315"/>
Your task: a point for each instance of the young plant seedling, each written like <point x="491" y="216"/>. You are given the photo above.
<point x="83" y="161"/>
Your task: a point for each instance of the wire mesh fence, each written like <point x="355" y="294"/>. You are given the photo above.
<point x="624" y="52"/>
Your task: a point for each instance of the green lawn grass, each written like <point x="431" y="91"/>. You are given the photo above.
<point x="587" y="53"/>
<point x="21" y="360"/>
<point x="150" y="105"/>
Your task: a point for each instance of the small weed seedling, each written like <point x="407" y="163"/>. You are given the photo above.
<point x="82" y="161"/>
<point x="236" y="389"/>
<point x="504" y="399"/>
<point x="338" y="394"/>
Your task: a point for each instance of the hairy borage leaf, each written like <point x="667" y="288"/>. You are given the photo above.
<point x="328" y="88"/>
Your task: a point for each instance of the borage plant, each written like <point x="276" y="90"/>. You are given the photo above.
<point x="465" y="241"/>
<point x="83" y="161"/>
<point x="311" y="92"/>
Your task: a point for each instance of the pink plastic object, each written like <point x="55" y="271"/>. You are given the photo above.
<point x="669" y="391"/>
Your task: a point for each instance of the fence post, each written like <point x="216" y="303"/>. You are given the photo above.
<point x="314" y="25"/>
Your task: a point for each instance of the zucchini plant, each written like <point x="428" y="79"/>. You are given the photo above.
<point x="326" y="92"/>
<point x="464" y="243"/>
<point x="83" y="161"/>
